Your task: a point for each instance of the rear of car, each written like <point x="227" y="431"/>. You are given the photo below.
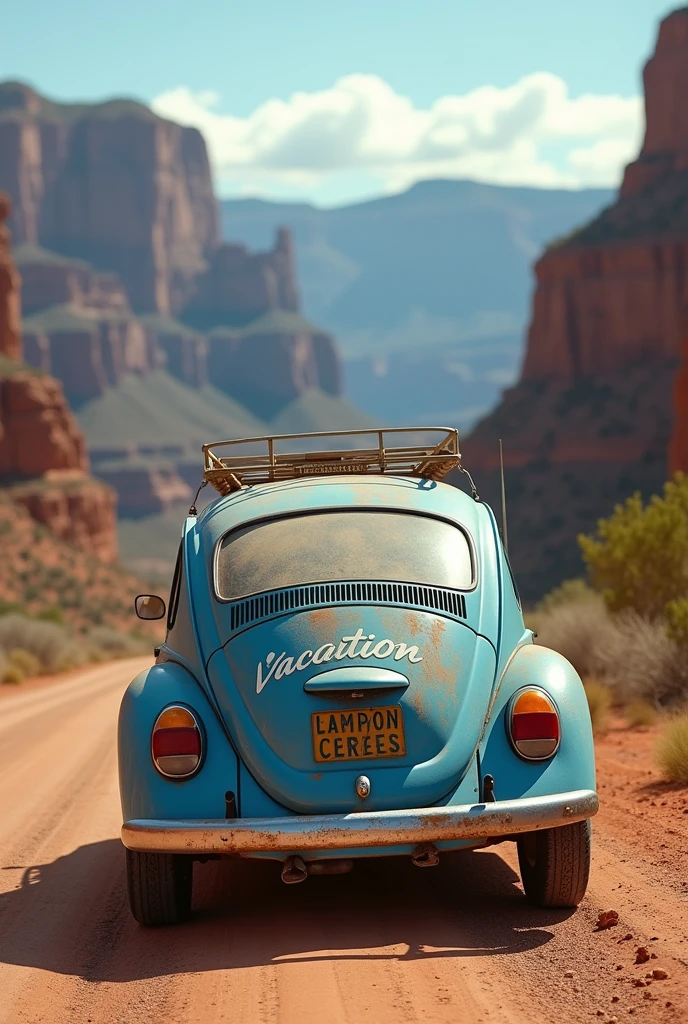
<point x="346" y="673"/>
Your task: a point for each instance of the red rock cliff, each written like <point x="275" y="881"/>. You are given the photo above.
<point x="10" y="314"/>
<point x="590" y="421"/>
<point x="111" y="183"/>
<point x="617" y="290"/>
<point x="42" y="451"/>
<point x="665" y="78"/>
<point x="678" y="453"/>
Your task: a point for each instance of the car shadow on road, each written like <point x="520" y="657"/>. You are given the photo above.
<point x="71" y="916"/>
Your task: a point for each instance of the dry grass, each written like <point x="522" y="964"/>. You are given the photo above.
<point x="576" y="630"/>
<point x="672" y="750"/>
<point x="599" y="702"/>
<point x="639" y="713"/>
<point x="636" y="658"/>
<point x="52" y="646"/>
<point x="31" y="647"/>
<point x="105" y="643"/>
<point x="640" y="660"/>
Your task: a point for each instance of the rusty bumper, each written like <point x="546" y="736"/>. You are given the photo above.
<point x="363" y="829"/>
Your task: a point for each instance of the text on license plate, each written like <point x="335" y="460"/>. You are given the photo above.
<point x="356" y="734"/>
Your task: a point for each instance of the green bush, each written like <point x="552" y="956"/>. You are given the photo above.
<point x="639" y="558"/>
<point x="569" y="592"/>
<point x="53" y="613"/>
<point x="672" y="750"/>
<point x="25" y="661"/>
<point x="12" y="608"/>
<point x="12" y="674"/>
<point x="676" y="616"/>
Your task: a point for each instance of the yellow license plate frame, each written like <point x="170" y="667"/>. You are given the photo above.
<point x="358" y="734"/>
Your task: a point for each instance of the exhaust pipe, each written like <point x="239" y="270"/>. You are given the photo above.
<point x="294" y="871"/>
<point x="425" y="855"/>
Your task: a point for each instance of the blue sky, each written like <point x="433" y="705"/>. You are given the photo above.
<point x="330" y="102"/>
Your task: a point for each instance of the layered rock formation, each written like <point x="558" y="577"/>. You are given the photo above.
<point x="590" y="421"/>
<point x="113" y="184"/>
<point x="117" y="231"/>
<point x="294" y="357"/>
<point x="42" y="451"/>
<point x="10" y="305"/>
<point x="125" y="281"/>
<point x="239" y="286"/>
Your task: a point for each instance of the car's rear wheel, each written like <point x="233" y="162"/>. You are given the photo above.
<point x="159" y="886"/>
<point x="555" y="864"/>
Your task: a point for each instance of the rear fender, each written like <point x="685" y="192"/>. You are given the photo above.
<point x="573" y="766"/>
<point x="144" y="792"/>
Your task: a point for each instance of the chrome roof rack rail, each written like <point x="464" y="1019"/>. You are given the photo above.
<point x="434" y="453"/>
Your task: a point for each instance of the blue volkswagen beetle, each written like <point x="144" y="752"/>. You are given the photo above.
<point x="346" y="673"/>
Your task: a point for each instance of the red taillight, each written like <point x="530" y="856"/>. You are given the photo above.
<point x="176" y="743"/>
<point x="534" y="725"/>
<point x="167" y="742"/>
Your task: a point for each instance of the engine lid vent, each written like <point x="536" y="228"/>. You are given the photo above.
<point x="251" y="610"/>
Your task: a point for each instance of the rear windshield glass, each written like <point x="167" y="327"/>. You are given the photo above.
<point x="331" y="546"/>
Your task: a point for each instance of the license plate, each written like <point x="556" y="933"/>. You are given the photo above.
<point x="358" y="734"/>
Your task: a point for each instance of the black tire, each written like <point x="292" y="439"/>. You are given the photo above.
<point x="159" y="887"/>
<point x="555" y="864"/>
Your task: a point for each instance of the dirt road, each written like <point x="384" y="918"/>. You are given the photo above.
<point x="388" y="943"/>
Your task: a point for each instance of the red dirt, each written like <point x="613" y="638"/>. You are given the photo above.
<point x="384" y="945"/>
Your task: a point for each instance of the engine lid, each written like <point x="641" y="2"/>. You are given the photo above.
<point x="313" y="699"/>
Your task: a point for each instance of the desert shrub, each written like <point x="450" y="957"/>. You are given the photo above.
<point x="672" y="750"/>
<point x="55" y="648"/>
<point x="12" y="674"/>
<point x="639" y="660"/>
<point x="104" y="643"/>
<point x="53" y="613"/>
<point x="576" y="630"/>
<point x="569" y="592"/>
<point x="639" y="558"/>
<point x="599" y="702"/>
<point x="640" y="712"/>
<point x="25" y="661"/>
<point x="12" y="608"/>
<point x="676" y="618"/>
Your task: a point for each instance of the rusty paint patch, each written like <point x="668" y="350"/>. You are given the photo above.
<point x="323" y="620"/>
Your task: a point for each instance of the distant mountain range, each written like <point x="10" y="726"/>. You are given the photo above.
<point x="428" y="291"/>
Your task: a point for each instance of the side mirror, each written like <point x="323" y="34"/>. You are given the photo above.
<point x="149" y="606"/>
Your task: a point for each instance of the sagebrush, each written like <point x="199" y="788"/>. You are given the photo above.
<point x="33" y="646"/>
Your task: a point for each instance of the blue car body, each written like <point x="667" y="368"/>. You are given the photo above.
<point x="278" y="677"/>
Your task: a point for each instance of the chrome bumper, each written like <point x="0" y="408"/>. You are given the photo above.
<point x="363" y="829"/>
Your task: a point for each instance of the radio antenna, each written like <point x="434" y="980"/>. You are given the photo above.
<point x="505" y="536"/>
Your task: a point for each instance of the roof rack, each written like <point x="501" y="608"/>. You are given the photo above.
<point x="431" y="459"/>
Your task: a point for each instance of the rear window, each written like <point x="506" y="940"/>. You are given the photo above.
<point x="331" y="546"/>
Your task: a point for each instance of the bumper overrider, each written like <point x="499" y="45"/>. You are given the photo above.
<point x="302" y="833"/>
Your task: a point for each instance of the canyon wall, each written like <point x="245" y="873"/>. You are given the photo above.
<point x="43" y="459"/>
<point x="678" y="452"/>
<point x="591" y="418"/>
<point x="111" y="183"/>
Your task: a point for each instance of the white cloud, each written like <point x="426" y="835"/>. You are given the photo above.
<point x="362" y="125"/>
